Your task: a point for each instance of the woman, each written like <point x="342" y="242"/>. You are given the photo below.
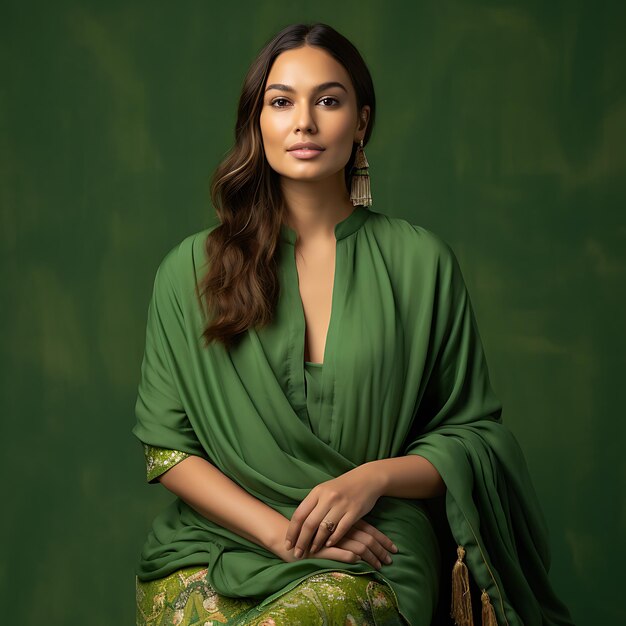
<point x="315" y="392"/>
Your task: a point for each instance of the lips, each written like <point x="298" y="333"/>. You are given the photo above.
<point x="306" y="145"/>
<point x="305" y="153"/>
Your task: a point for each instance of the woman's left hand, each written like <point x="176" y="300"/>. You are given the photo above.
<point x="343" y="500"/>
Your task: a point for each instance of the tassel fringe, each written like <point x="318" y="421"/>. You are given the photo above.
<point x="461" y="610"/>
<point x="360" y="192"/>
<point x="489" y="614"/>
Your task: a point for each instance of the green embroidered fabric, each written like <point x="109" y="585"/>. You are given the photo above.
<point x="159" y="460"/>
<point x="186" y="598"/>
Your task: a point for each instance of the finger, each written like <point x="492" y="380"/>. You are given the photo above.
<point x="361" y="524"/>
<point x="309" y="528"/>
<point x="362" y="552"/>
<point x="319" y="537"/>
<point x="344" y="525"/>
<point x="346" y="551"/>
<point x="323" y="533"/>
<point x="298" y="518"/>
<point x="373" y="545"/>
<point x="312" y="526"/>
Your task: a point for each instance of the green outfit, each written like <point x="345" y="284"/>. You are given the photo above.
<point x="404" y="373"/>
<point x="186" y="598"/>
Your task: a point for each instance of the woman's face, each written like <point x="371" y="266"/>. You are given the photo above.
<point x="296" y="109"/>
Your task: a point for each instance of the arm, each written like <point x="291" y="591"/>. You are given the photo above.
<point x="174" y="454"/>
<point x="410" y="476"/>
<point x="215" y="496"/>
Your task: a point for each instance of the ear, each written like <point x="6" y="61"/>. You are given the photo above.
<point x="364" y="116"/>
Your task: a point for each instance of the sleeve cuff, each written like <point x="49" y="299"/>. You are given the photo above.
<point x="159" y="460"/>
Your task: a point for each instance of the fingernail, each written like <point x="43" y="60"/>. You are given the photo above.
<point x="394" y="547"/>
<point x="288" y="544"/>
<point x="388" y="560"/>
<point x="298" y="553"/>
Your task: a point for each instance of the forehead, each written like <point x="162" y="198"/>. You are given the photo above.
<point x="304" y="68"/>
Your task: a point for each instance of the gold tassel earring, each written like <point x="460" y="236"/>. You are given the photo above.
<point x="461" y="611"/>
<point x="360" y="192"/>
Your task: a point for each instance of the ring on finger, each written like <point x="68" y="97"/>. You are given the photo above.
<point x="330" y="526"/>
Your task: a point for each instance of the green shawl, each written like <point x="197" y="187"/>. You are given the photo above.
<point x="404" y="373"/>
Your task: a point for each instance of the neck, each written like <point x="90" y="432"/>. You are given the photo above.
<point x="315" y="207"/>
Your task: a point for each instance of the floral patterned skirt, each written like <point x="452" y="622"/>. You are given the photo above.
<point x="185" y="598"/>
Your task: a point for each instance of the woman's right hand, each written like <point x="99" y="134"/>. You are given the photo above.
<point x="363" y="542"/>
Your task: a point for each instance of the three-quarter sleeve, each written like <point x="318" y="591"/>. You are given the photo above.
<point x="161" y="419"/>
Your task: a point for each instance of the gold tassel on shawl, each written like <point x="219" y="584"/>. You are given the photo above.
<point x="461" y="611"/>
<point x="489" y="614"/>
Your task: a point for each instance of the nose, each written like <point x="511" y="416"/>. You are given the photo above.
<point x="304" y="118"/>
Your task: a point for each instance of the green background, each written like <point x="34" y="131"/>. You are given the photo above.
<point x="500" y="126"/>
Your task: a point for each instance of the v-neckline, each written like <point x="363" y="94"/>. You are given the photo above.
<point x="333" y="307"/>
<point x="342" y="230"/>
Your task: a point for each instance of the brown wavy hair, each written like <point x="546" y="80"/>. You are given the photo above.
<point x="241" y="287"/>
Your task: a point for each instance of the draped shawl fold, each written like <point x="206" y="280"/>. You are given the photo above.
<point x="404" y="373"/>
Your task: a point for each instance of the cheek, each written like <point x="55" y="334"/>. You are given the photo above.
<point x="342" y="143"/>
<point x="273" y="141"/>
<point x="344" y="134"/>
<point x="273" y="126"/>
<point x="341" y="134"/>
<point x="266" y="130"/>
<point x="274" y="135"/>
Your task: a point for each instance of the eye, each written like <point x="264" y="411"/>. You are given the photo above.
<point x="278" y="100"/>
<point x="273" y="102"/>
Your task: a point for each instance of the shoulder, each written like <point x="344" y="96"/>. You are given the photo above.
<point x="411" y="240"/>
<point x="181" y="257"/>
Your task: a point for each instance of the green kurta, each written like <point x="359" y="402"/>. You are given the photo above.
<point x="159" y="460"/>
<point x="327" y="597"/>
<point x="403" y="373"/>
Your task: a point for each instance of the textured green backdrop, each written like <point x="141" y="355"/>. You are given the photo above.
<point x="501" y="126"/>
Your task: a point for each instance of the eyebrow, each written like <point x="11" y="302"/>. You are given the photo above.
<point x="320" y="87"/>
